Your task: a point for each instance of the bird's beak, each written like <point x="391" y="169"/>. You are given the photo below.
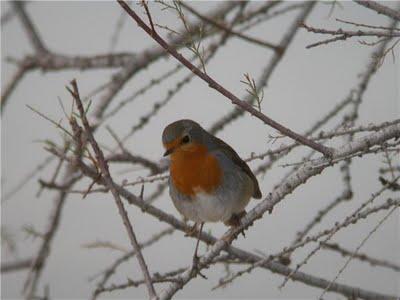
<point x="169" y="151"/>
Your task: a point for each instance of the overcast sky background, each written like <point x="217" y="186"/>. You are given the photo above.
<point x="305" y="86"/>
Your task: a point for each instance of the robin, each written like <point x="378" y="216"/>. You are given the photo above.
<point x="208" y="181"/>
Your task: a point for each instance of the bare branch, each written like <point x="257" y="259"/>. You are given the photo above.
<point x="152" y="83"/>
<point x="147" y="57"/>
<point x="301" y="176"/>
<point x="361" y="256"/>
<point x="30" y="29"/>
<point x="358" y="248"/>
<point x="337" y="227"/>
<point x="215" y="85"/>
<point x="232" y="32"/>
<point x="246" y="256"/>
<point x="212" y="50"/>
<point x="111" y="270"/>
<point x="268" y="70"/>
<point x="27" y="178"/>
<point x="22" y="69"/>
<point x="79" y="162"/>
<point x="380" y="9"/>
<point x="9" y="14"/>
<point x="110" y="184"/>
<point x="15" y="265"/>
<point x="284" y="255"/>
<point x="118" y="28"/>
<point x="341" y="35"/>
<point x="156" y="278"/>
<point x="317" y="219"/>
<point x="322" y="135"/>
<point x="39" y="260"/>
<point x="366" y="25"/>
<point x="135" y="159"/>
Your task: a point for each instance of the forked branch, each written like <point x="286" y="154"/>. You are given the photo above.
<point x="110" y="184"/>
<point x="215" y="85"/>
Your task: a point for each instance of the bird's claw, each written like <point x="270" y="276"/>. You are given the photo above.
<point x="234" y="221"/>
<point x="192" y="230"/>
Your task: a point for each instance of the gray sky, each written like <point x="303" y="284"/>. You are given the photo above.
<point x="307" y="84"/>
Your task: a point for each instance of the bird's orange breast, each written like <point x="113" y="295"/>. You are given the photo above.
<point x="193" y="170"/>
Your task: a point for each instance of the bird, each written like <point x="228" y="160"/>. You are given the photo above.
<point x="208" y="181"/>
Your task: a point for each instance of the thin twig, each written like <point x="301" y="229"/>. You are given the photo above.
<point x="116" y="34"/>
<point x="148" y="56"/>
<point x="9" y="14"/>
<point x="293" y="182"/>
<point x="11" y="85"/>
<point x="357" y="249"/>
<point x="322" y="135"/>
<point x="111" y="270"/>
<point x="301" y="176"/>
<point x="287" y="250"/>
<point x="212" y="50"/>
<point x="110" y="184"/>
<point x="230" y="31"/>
<point x="336" y="228"/>
<point x="268" y="70"/>
<point x="215" y="85"/>
<point x="16" y="265"/>
<point x="30" y="29"/>
<point x="380" y="9"/>
<point x="361" y="256"/>
<point x="27" y="178"/>
<point x="366" y="25"/>
<point x="40" y="258"/>
<point x="341" y="35"/>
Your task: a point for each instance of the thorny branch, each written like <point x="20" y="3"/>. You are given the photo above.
<point x="381" y="33"/>
<point x="215" y="85"/>
<point x="286" y="251"/>
<point x="39" y="260"/>
<point x="341" y="35"/>
<point x="232" y="32"/>
<point x="112" y="269"/>
<point x="299" y="178"/>
<point x="380" y="9"/>
<point x="102" y="164"/>
<point x="361" y="256"/>
<point x="268" y="70"/>
<point x="30" y="29"/>
<point x="79" y="163"/>
<point x="356" y="250"/>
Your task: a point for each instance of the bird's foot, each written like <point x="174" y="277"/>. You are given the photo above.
<point x="234" y="221"/>
<point x="192" y="230"/>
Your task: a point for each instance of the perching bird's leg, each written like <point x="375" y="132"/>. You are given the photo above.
<point x="192" y="230"/>
<point x="195" y="266"/>
<point x="234" y="220"/>
<point x="198" y="240"/>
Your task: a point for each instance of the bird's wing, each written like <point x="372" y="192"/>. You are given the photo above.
<point x="228" y="150"/>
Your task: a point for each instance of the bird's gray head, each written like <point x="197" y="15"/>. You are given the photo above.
<point x="182" y="135"/>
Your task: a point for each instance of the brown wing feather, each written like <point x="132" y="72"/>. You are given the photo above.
<point x="241" y="164"/>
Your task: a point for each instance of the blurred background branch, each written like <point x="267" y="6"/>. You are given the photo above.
<point x="136" y="89"/>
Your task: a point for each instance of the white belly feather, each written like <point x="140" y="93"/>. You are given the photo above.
<point x="232" y="197"/>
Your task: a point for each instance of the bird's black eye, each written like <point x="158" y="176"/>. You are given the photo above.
<point x="185" y="139"/>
